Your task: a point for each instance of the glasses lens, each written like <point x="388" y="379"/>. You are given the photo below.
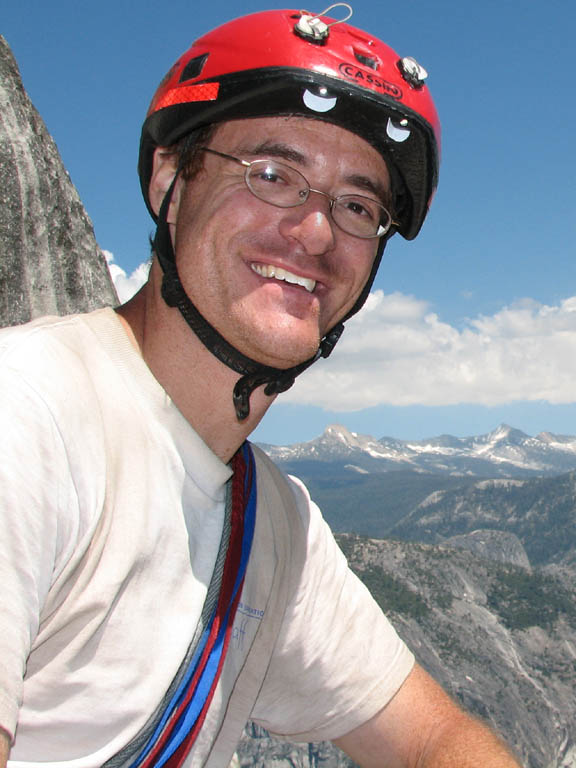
<point x="286" y="187"/>
<point x="361" y="216"/>
<point x="277" y="183"/>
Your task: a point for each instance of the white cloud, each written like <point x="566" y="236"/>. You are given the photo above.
<point x="397" y="352"/>
<point x="126" y="286"/>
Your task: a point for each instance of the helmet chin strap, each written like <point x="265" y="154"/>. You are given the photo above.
<point x="253" y="373"/>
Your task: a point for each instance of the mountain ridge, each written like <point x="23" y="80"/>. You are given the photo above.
<point x="503" y="452"/>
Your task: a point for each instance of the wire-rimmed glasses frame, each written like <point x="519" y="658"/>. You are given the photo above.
<point x="283" y="186"/>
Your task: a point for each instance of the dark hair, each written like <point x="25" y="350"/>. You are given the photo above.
<point x="190" y="159"/>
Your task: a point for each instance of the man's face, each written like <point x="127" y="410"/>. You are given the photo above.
<point x="274" y="280"/>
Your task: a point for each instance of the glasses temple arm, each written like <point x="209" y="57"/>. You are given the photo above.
<point x="245" y="163"/>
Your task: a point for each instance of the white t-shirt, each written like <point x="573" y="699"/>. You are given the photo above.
<point x="112" y="510"/>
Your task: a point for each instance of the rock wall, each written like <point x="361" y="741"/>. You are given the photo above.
<point x="49" y="260"/>
<point x="482" y="635"/>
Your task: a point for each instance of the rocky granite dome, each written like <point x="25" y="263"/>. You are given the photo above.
<point x="49" y="260"/>
<point x="500" y="546"/>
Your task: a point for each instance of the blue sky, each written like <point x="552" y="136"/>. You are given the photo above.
<point x="470" y="325"/>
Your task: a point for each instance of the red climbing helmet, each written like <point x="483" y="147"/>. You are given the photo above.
<point x="292" y="62"/>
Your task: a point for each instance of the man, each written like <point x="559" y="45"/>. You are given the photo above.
<point x="163" y="582"/>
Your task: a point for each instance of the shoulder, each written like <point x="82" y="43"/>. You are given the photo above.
<point x="28" y="346"/>
<point x="289" y="496"/>
<point x="300" y="531"/>
<point x="292" y="489"/>
<point x="65" y="363"/>
<point x="51" y="422"/>
<point x="353" y="660"/>
<point x="51" y="352"/>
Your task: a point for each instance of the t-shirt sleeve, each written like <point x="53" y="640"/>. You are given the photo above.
<point x="338" y="661"/>
<point x="32" y="493"/>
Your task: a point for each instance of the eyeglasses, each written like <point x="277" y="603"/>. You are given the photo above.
<point x="284" y="186"/>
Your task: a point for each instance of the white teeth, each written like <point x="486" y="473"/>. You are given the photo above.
<point x="267" y="270"/>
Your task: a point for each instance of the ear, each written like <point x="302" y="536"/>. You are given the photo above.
<point x="165" y="164"/>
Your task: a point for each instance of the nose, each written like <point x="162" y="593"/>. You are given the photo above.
<point x="311" y="225"/>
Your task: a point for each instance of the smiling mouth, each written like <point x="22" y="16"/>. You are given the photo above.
<point x="269" y="271"/>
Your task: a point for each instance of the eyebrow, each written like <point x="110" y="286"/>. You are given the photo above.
<point x="277" y="149"/>
<point x="286" y="152"/>
<point x="369" y="185"/>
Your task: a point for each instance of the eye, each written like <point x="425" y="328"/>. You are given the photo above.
<point x="269" y="173"/>
<point x="360" y="206"/>
<point x="277" y="183"/>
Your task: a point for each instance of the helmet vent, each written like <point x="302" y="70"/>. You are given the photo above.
<point x="193" y="68"/>
<point x="366" y="59"/>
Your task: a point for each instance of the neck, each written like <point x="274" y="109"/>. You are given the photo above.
<point x="196" y="381"/>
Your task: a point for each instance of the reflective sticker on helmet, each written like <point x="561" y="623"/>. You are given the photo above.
<point x="398" y="132"/>
<point x="187" y="93"/>
<point x="319" y="103"/>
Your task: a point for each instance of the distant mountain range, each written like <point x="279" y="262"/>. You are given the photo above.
<point x="430" y="490"/>
<point x="505" y="452"/>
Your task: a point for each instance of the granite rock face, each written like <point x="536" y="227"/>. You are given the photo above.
<point x="49" y="260"/>
<point x="501" y="638"/>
